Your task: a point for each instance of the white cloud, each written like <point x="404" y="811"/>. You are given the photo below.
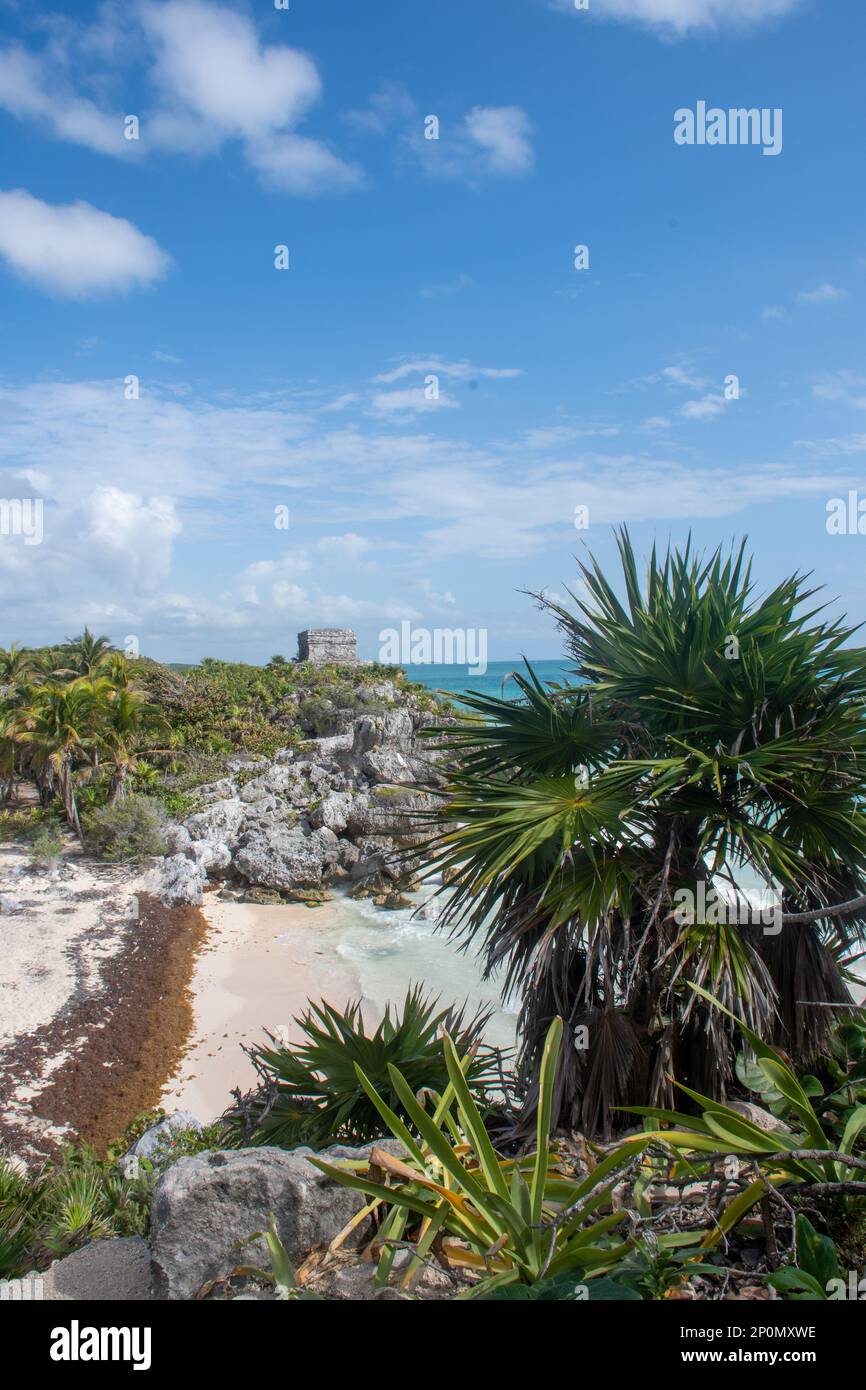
<point x="75" y="250"/>
<point x="847" y="387"/>
<point x="457" y="371"/>
<point x="677" y="18"/>
<point x="502" y="134"/>
<point x="32" y="88"/>
<point x="830" y="448"/>
<point x="824" y="294"/>
<point x="773" y="311"/>
<point x="705" y="408"/>
<point x="131" y="536"/>
<point x="412" y="400"/>
<point x="657" y="422"/>
<point x="214" y="79"/>
<point x="349" y="547"/>
<point x="390" y="105"/>
<point x="296" y="164"/>
<point x="209" y="60"/>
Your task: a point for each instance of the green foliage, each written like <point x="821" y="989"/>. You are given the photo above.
<point x="720" y="1129"/>
<point x="817" y="1263"/>
<point x="312" y="1093"/>
<point x="706" y="729"/>
<point x="49" y="1214"/>
<point x="282" y="1272"/>
<point x="129" y="829"/>
<point x="81" y="1198"/>
<point x="503" y="1220"/>
<point x="47" y="846"/>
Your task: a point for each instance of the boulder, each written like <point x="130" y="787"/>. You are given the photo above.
<point x="107" y="1271"/>
<point x="178" y="882"/>
<point x="155" y="1138"/>
<point x="9" y="904"/>
<point x="206" y="1208"/>
<point x="276" y="855"/>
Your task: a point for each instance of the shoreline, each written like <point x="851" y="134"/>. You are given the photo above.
<point x="94" y="978"/>
<point x="256" y="971"/>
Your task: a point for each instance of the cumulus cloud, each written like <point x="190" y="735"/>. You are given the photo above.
<point x="213" y="81"/>
<point x="678" y="18"/>
<point x="502" y="134"/>
<point x="74" y="250"/>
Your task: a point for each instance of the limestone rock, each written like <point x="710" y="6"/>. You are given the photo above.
<point x="178" y="882"/>
<point x="280" y="856"/>
<point x="107" y="1271"/>
<point x="205" y="1209"/>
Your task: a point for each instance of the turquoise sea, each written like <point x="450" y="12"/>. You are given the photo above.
<point x="496" y="680"/>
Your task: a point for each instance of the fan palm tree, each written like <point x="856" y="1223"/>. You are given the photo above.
<point x="708" y="736"/>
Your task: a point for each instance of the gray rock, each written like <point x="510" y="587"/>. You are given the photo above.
<point x="178" y="882"/>
<point x="211" y="857"/>
<point x="277" y="855"/>
<point x="8" y="904"/>
<point x="219" y="822"/>
<point x="217" y="791"/>
<point x="107" y="1271"/>
<point x="157" y="1137"/>
<point x="177" y="838"/>
<point x="206" y="1208"/>
<point x="333" y="811"/>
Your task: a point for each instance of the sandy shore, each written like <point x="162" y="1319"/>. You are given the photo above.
<point x="93" y="1000"/>
<point x="258" y="969"/>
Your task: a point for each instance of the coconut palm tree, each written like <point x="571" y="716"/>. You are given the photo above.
<point x="59" y="728"/>
<point x="126" y="720"/>
<point x="16" y="669"/>
<point x="709" y="736"/>
<point x="86" y="654"/>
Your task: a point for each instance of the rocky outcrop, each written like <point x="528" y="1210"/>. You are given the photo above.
<point x="206" y="1208"/>
<point x="344" y="809"/>
<point x="178" y="882"/>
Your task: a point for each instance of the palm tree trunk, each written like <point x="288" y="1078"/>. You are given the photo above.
<point x="69" y="801"/>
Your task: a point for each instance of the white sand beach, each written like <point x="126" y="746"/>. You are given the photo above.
<point x="260" y="966"/>
<point x="256" y="972"/>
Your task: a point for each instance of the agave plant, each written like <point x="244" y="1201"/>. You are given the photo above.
<point x="311" y="1092"/>
<point x="504" y="1220"/>
<point x="710" y="739"/>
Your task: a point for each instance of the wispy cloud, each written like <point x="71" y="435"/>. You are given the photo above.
<point x="679" y="18"/>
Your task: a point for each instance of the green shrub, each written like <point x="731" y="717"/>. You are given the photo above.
<point x="311" y="1092"/>
<point x="47" y="847"/>
<point x="132" y="828"/>
<point x="81" y="1198"/>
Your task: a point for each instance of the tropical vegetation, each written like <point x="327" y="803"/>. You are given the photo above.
<point x="710" y="737"/>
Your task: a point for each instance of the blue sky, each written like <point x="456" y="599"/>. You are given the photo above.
<point x="411" y="258"/>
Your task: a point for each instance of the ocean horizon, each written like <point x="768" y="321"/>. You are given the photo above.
<point x="496" y="679"/>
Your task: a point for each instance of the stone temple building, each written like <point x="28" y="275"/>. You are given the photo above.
<point x="328" y="644"/>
